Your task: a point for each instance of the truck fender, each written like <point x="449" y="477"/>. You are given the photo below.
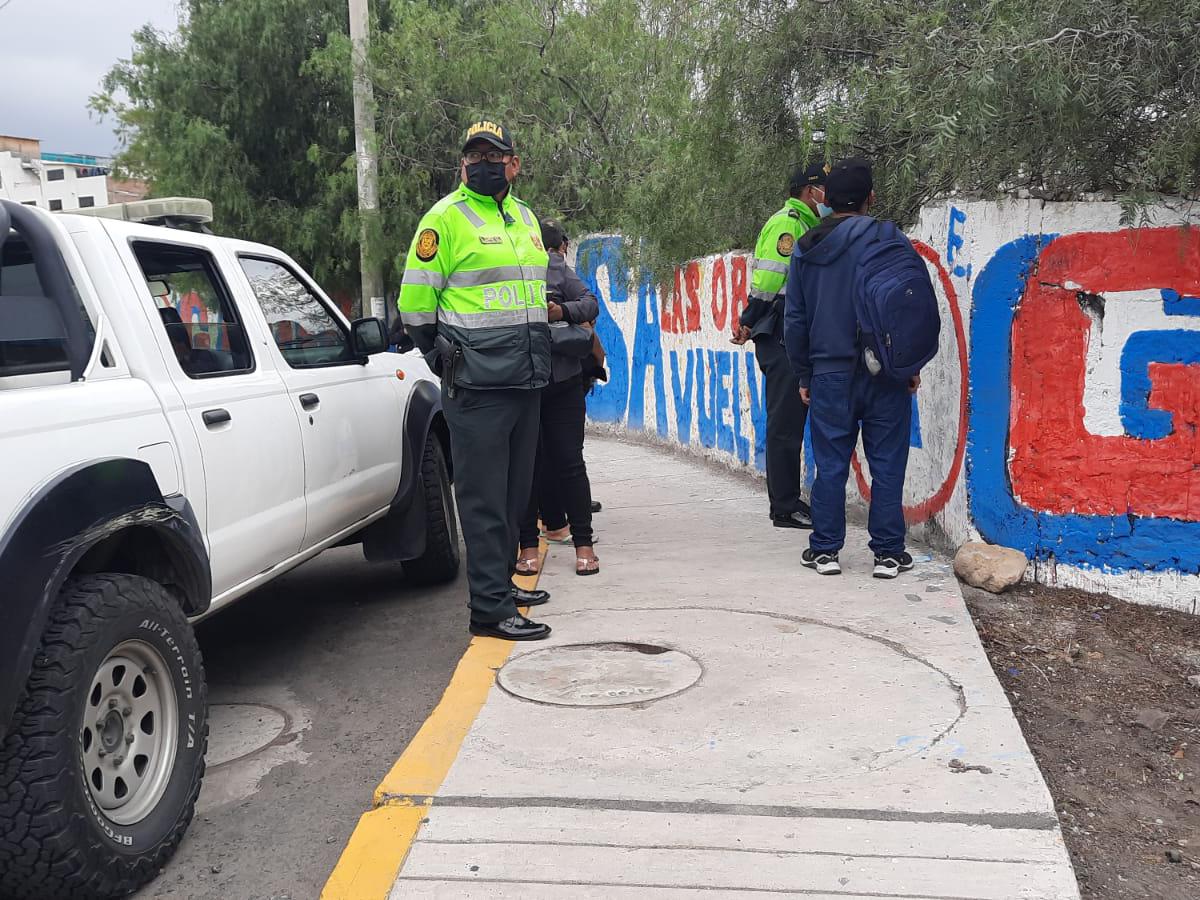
<point x="400" y="535"/>
<point x="70" y="515"/>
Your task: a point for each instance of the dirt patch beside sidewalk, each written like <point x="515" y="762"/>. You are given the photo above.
<point x="1100" y="689"/>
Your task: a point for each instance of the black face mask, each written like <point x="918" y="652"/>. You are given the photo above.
<point x="486" y="178"/>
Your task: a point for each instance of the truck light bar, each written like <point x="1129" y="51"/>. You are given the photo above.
<point x="172" y="211"/>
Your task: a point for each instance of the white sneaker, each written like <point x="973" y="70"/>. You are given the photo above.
<point x="889" y="566"/>
<point x="824" y="563"/>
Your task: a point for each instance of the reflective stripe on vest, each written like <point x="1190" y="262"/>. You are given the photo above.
<point x="472" y="216"/>
<point x="770" y="266"/>
<point x="494" y="318"/>
<point x="419" y="318"/>
<point x="425" y="277"/>
<point x="477" y="277"/>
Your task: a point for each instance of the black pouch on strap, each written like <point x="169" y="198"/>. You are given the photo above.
<point x="567" y="339"/>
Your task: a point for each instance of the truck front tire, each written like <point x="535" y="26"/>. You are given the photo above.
<point x="100" y="769"/>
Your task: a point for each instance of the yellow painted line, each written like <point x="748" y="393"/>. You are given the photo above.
<point x="419" y="772"/>
<point x="380" y="843"/>
<point x="371" y="861"/>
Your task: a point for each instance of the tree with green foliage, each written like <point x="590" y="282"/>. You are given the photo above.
<point x="673" y="121"/>
<point x="1056" y="100"/>
<point x="249" y="105"/>
<point x="227" y="109"/>
<point x="582" y="86"/>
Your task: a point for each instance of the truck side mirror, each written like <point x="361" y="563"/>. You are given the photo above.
<point x="368" y="337"/>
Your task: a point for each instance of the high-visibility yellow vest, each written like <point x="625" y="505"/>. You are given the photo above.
<point x="773" y="252"/>
<point x="477" y="269"/>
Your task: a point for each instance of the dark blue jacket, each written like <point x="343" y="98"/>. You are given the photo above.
<point x="820" y="329"/>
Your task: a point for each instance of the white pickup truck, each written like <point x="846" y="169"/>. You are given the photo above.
<point x="183" y="417"/>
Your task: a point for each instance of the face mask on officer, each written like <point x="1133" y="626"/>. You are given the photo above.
<point x="487" y="171"/>
<point x="822" y="210"/>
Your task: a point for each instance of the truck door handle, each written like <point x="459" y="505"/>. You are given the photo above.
<point x="308" y="401"/>
<point x="213" y="417"/>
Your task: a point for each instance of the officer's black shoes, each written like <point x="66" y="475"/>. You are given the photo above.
<point x="801" y="518"/>
<point x="529" y="598"/>
<point x="795" y="520"/>
<point x="890" y="565"/>
<point x="596" y="506"/>
<point x="518" y="628"/>
<point x="824" y="563"/>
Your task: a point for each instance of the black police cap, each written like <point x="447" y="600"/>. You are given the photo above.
<point x="806" y="176"/>
<point x="492" y="132"/>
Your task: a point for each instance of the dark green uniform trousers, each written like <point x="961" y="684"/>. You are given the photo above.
<point x="786" y="413"/>
<point x="493" y="441"/>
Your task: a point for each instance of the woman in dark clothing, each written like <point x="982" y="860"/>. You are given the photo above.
<point x="560" y="464"/>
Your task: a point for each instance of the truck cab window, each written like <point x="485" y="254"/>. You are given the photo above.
<point x="305" y="331"/>
<point x="33" y="338"/>
<point x="199" y="317"/>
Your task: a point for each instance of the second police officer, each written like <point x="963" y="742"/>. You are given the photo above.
<point x="473" y="298"/>
<point x="762" y="322"/>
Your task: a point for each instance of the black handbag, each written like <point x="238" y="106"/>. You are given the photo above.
<point x="568" y="339"/>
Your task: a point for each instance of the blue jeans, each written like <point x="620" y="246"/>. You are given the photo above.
<point x="840" y="402"/>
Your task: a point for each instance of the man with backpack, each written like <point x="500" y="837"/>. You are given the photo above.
<point x="860" y="321"/>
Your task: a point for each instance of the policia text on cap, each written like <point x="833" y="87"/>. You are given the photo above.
<point x="474" y="300"/>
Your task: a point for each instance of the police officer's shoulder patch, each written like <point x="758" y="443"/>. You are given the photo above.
<point x="427" y="245"/>
<point x="784" y="245"/>
<point x="537" y="240"/>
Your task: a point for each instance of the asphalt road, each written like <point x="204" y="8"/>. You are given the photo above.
<point x="333" y="667"/>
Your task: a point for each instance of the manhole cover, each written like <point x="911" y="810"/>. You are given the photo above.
<point x="614" y="674"/>
<point x="239" y="729"/>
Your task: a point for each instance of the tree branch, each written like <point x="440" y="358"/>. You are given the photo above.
<point x="1075" y="34"/>
<point x="553" y="26"/>
<point x="583" y="100"/>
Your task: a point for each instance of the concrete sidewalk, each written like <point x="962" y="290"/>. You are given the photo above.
<point x="745" y="726"/>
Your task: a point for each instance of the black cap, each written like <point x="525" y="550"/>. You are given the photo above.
<point x="553" y="233"/>
<point x="812" y="174"/>
<point x="849" y="184"/>
<point x="492" y="132"/>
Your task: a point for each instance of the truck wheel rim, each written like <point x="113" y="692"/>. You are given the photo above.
<point x="129" y="732"/>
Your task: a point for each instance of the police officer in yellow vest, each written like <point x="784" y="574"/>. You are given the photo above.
<point x="762" y="322"/>
<point x="473" y="299"/>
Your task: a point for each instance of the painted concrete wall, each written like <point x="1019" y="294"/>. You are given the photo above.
<point x="1061" y="416"/>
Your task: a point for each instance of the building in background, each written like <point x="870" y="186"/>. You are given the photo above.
<point x="53" y="181"/>
<point x="126" y="190"/>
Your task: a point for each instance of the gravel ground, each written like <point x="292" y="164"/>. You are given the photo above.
<point x="1101" y="690"/>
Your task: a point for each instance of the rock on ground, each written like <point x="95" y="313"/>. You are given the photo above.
<point x="989" y="567"/>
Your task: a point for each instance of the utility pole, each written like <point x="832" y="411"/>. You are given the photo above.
<point x="365" y="151"/>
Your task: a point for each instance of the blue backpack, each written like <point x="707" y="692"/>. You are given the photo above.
<point x="897" y="309"/>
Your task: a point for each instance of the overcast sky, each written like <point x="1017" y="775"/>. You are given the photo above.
<point x="53" y="56"/>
